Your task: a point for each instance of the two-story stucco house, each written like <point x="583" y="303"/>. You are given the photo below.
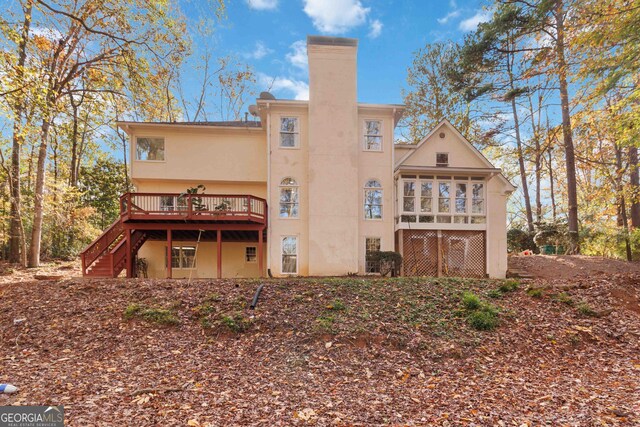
<point x="305" y="188"/>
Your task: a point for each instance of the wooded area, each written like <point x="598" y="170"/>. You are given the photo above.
<point x="549" y="89"/>
<point x="69" y="71"/>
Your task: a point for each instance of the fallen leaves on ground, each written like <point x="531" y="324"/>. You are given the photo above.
<point x="386" y="352"/>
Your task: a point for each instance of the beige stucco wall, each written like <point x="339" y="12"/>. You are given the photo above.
<point x="379" y="166"/>
<point x="460" y="155"/>
<point x="203" y="154"/>
<point x="334" y="181"/>
<point x="496" y="229"/>
<point x="293" y="163"/>
<point x="233" y="260"/>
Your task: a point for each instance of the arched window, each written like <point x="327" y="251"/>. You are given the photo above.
<point x="372" y="199"/>
<point x="289" y="200"/>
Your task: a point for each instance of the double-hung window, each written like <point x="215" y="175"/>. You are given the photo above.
<point x="373" y="135"/>
<point x="372" y="244"/>
<point x="372" y="199"/>
<point x="150" y="149"/>
<point x="289" y="249"/>
<point x="289" y="132"/>
<point x="289" y="198"/>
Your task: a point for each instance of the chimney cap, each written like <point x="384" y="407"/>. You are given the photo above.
<point x="331" y="41"/>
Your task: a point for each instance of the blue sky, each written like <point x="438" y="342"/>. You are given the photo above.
<point x="270" y="36"/>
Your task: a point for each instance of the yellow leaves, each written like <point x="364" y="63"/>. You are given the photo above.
<point x="42" y="43"/>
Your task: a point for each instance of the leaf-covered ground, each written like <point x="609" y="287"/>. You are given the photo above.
<point x="342" y="351"/>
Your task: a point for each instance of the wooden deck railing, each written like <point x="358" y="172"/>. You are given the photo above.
<point x="198" y="207"/>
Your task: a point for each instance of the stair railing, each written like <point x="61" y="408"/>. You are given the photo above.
<point x="101" y="245"/>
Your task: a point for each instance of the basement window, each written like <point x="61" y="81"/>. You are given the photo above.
<point x="250" y="254"/>
<point x="183" y="257"/>
<point x="150" y="149"/>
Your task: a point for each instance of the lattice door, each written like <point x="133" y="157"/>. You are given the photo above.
<point x="463" y="253"/>
<point x="420" y="252"/>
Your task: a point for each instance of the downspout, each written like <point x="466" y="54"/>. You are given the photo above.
<point x="268" y="190"/>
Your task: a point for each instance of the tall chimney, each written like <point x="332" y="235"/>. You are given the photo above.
<point x="333" y="155"/>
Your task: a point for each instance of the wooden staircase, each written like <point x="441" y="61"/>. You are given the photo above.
<point x="107" y="255"/>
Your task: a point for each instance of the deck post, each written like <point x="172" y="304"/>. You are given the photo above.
<point x="127" y="236"/>
<point x="219" y="242"/>
<point x="260" y="252"/>
<point x="169" y="253"/>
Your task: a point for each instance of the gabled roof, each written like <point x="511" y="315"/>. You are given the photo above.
<point x="446" y="123"/>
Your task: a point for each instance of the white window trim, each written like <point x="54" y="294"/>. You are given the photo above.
<point x="435" y="197"/>
<point x="282" y="253"/>
<point x="364" y="135"/>
<point x="245" y="254"/>
<point x="364" y="200"/>
<point x="135" y="149"/>
<point x="296" y="134"/>
<point x="297" y="187"/>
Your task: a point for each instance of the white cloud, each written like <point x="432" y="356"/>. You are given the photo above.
<point x="297" y="88"/>
<point x="470" y="24"/>
<point x="298" y="55"/>
<point x="260" y="51"/>
<point x="336" y="16"/>
<point x="262" y="4"/>
<point x="375" y="28"/>
<point x="47" y="33"/>
<point x="449" y="16"/>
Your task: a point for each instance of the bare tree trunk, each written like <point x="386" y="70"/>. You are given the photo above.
<point x="523" y="171"/>
<point x="17" y="243"/>
<point x="570" y="161"/>
<point x="634" y="180"/>
<point x="537" y="159"/>
<point x="551" y="185"/>
<point x="38" y="205"/>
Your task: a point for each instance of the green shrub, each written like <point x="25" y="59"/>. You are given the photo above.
<point x="325" y="323"/>
<point x="495" y="294"/>
<point x="563" y="297"/>
<point x="535" y="292"/>
<point x="337" y="305"/>
<point x="235" y="322"/>
<point x="471" y="301"/>
<point x="509" y="285"/>
<point x="586" y="310"/>
<point x="161" y="316"/>
<point x="483" y="320"/>
<point x="519" y="240"/>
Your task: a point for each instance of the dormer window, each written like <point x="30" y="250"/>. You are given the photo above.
<point x="442" y="159"/>
<point x="373" y="135"/>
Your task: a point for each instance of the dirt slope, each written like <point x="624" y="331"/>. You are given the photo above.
<point x="322" y="352"/>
